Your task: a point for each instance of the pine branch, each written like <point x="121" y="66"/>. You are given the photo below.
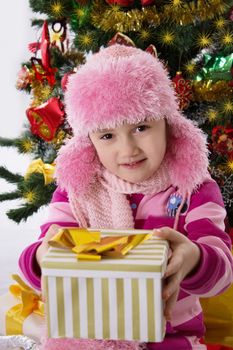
<point x="9" y="176"/>
<point x="5" y="142"/>
<point x="9" y="196"/>
<point x="22" y="213"/>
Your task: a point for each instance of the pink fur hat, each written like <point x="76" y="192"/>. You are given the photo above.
<point x="125" y="84"/>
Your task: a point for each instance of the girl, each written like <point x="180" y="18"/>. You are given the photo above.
<point x="135" y="162"/>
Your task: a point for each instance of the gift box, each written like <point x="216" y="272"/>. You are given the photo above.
<point x="21" y="314"/>
<point x="113" y="298"/>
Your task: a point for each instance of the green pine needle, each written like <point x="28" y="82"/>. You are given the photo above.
<point x="9" y="176"/>
<point x="9" y="196"/>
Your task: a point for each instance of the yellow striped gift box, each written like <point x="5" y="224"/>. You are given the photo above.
<point x="110" y="298"/>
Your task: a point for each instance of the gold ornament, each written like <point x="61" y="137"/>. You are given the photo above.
<point x="30" y="196"/>
<point x="167" y="38"/>
<point x="220" y="23"/>
<point x="85" y="41"/>
<point x="227" y="38"/>
<point x="27" y="145"/>
<point x="229" y="166"/>
<point x="57" y="9"/>
<point x="190" y="67"/>
<point x="144" y="35"/>
<point x="227" y="107"/>
<point x="204" y="40"/>
<point x="212" y="115"/>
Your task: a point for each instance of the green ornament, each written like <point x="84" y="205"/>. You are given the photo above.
<point x="216" y="68"/>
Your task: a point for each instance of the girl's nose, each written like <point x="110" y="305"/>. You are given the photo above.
<point x="129" y="147"/>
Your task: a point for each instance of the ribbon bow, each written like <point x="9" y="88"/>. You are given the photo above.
<point x="89" y="245"/>
<point x="38" y="166"/>
<point x="30" y="303"/>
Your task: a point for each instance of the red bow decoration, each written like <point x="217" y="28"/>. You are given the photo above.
<point x="46" y="118"/>
<point x="46" y="72"/>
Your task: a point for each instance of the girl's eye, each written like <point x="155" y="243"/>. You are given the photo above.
<point x="106" y="137"/>
<point x="141" y="128"/>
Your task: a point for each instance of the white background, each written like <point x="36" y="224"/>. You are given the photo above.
<point x="16" y="34"/>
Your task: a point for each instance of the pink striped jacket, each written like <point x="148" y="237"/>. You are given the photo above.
<point x="201" y="220"/>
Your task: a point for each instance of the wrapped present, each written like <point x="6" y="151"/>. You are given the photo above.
<point x="21" y="311"/>
<point x="115" y="297"/>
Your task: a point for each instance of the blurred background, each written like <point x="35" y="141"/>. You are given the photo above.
<point x="16" y="33"/>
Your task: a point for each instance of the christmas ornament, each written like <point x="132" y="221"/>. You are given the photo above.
<point x="38" y="166"/>
<point x="121" y="39"/>
<point x="41" y="73"/>
<point x="58" y="34"/>
<point x="64" y="80"/>
<point x="183" y="89"/>
<point x="216" y="67"/>
<point x="222" y="140"/>
<point x="42" y="67"/>
<point x="152" y="50"/>
<point x="147" y="2"/>
<point x="46" y="118"/>
<point x="24" y="78"/>
<point x="123" y="3"/>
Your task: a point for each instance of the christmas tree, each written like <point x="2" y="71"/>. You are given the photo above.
<point x="194" y="39"/>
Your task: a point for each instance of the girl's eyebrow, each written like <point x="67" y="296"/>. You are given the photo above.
<point x="105" y="130"/>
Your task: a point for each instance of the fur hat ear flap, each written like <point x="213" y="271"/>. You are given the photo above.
<point x="76" y="165"/>
<point x="187" y="154"/>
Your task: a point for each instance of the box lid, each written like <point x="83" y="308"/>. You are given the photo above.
<point x="148" y="257"/>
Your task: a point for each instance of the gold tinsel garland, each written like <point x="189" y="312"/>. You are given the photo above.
<point x="108" y="18"/>
<point x="211" y="91"/>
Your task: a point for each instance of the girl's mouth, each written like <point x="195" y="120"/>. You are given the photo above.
<point x="134" y="164"/>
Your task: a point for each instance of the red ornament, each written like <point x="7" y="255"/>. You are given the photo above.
<point x="152" y="50"/>
<point x="46" y="118"/>
<point x="41" y="73"/>
<point x="123" y="3"/>
<point x="183" y="89"/>
<point x="222" y="141"/>
<point x="65" y="79"/>
<point x="45" y="71"/>
<point x="121" y="39"/>
<point x="147" y="2"/>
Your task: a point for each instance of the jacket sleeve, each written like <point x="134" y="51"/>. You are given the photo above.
<point x="205" y="226"/>
<point x="59" y="212"/>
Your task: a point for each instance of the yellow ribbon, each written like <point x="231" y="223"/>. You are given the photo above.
<point x="89" y="245"/>
<point x="38" y="166"/>
<point x="30" y="303"/>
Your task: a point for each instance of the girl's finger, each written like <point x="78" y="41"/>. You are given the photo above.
<point x="170" y="303"/>
<point x="170" y="235"/>
<point x="171" y="285"/>
<point x="174" y="265"/>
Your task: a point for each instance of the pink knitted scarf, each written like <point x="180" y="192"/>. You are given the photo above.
<point x="105" y="204"/>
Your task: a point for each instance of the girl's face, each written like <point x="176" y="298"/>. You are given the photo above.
<point x="133" y="152"/>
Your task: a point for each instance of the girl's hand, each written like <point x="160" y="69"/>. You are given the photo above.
<point x="184" y="257"/>
<point x="42" y="249"/>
